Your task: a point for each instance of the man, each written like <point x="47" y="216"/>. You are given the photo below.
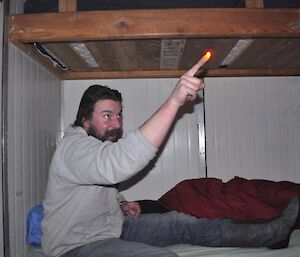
<point x="84" y="213"/>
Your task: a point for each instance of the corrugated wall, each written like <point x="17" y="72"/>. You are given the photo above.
<point x="34" y="97"/>
<point x="180" y="156"/>
<point x="253" y="128"/>
<point x="1" y="174"/>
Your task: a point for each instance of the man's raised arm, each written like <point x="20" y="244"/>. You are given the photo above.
<point x="156" y="128"/>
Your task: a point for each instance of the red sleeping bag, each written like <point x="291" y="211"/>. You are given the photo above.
<point x="238" y="199"/>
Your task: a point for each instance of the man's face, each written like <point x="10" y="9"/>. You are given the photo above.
<point x="106" y="121"/>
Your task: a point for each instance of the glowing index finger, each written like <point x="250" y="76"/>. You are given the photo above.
<point x="205" y="58"/>
<point x="200" y="63"/>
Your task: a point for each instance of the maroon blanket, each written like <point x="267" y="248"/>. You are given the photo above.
<point x="238" y="199"/>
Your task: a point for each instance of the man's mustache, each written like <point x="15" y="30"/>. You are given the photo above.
<point x="114" y="132"/>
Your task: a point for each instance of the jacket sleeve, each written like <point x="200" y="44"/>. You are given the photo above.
<point x="86" y="160"/>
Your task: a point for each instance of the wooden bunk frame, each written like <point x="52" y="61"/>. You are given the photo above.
<point x="163" y="42"/>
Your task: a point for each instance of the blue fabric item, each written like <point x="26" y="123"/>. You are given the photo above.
<point x="34" y="229"/>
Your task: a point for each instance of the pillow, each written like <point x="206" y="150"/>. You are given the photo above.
<point x="34" y="228"/>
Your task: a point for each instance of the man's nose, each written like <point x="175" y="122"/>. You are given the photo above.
<point x="116" y="122"/>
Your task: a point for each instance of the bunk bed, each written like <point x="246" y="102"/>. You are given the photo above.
<point x="198" y="251"/>
<point x="148" y="39"/>
<point x="247" y="38"/>
<point x="238" y="199"/>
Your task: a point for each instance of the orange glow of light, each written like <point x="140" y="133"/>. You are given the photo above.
<point x="208" y="54"/>
<point x="205" y="58"/>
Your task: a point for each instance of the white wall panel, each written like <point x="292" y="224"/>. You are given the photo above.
<point x="34" y="97"/>
<point x="180" y="156"/>
<point x="253" y="127"/>
<point x="1" y="171"/>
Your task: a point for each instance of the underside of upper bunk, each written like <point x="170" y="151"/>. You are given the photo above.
<point x="152" y="43"/>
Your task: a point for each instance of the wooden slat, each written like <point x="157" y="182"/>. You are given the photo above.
<point x="104" y="55"/>
<point x="195" y="48"/>
<point x="67" y="5"/>
<point x="177" y="73"/>
<point x="65" y="53"/>
<point x="165" y="23"/>
<point x="146" y="54"/>
<point x="126" y="53"/>
<point x="270" y="53"/>
<point x="115" y="55"/>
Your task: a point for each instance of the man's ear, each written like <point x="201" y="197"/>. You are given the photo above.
<point x="86" y="124"/>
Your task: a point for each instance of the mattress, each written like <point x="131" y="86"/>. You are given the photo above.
<point x="197" y="251"/>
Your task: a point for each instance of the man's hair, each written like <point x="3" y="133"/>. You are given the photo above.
<point x="91" y="95"/>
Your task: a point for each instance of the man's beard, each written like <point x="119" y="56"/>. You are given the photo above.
<point x="111" y="135"/>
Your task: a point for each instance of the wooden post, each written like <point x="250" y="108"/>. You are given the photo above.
<point x="254" y="3"/>
<point x="67" y="5"/>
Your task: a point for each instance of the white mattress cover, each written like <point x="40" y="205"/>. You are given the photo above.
<point x="197" y="251"/>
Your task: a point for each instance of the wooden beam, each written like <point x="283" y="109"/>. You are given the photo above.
<point x="69" y="75"/>
<point x="67" y="5"/>
<point x="96" y="74"/>
<point x="164" y="23"/>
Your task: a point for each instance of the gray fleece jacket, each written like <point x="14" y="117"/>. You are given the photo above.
<point x="81" y="203"/>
